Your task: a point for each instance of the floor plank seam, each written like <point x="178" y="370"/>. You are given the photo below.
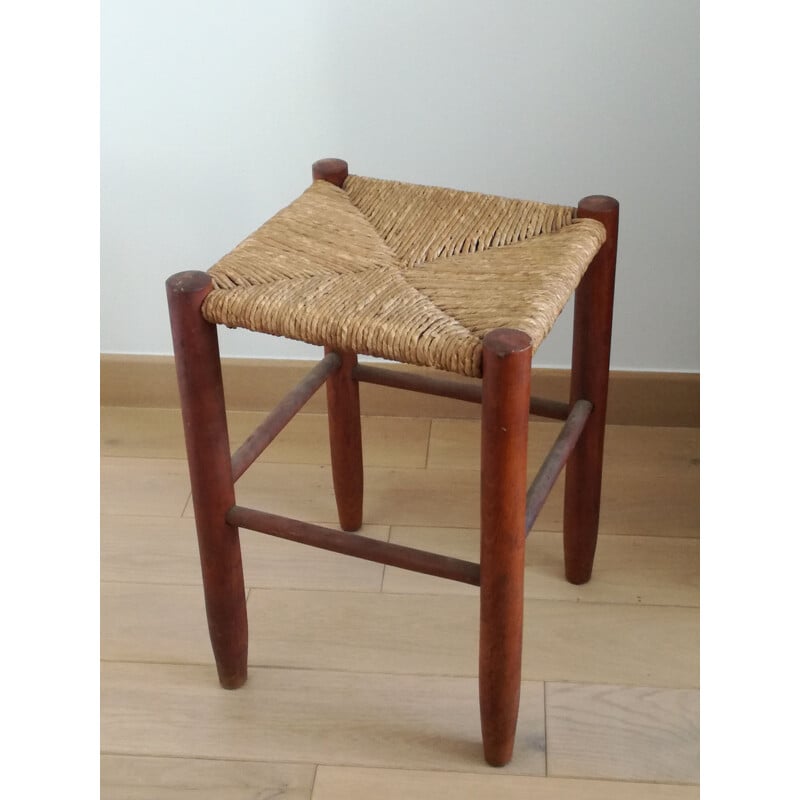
<point x="383" y="673"/>
<point x="300" y="762"/>
<point x="186" y="506"/>
<point x="326" y="523"/>
<point x="133" y="582"/>
<point x="544" y="725"/>
<point x="428" y="444"/>
<point x="313" y="782"/>
<point x="317" y="763"/>
<point x="280" y="588"/>
<point x="561" y="600"/>
<point x="446" y="468"/>
<point x="387" y="768"/>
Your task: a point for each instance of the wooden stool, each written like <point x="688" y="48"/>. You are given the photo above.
<point x="459" y="281"/>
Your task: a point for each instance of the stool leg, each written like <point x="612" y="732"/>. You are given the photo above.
<point x="344" y="427"/>
<point x="208" y="451"/>
<point x="591" y="349"/>
<point x="504" y="440"/>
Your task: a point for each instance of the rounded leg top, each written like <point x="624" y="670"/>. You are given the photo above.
<point x="189" y="282"/>
<point x="504" y="341"/>
<point x="599" y="202"/>
<point x="333" y="170"/>
<point x="602" y="208"/>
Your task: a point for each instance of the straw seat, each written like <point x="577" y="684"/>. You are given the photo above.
<point x="415" y="274"/>
<point x="467" y="283"/>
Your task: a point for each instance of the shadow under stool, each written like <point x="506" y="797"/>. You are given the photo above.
<point x="462" y="282"/>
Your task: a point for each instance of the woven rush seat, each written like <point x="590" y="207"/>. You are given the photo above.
<point x="411" y="273"/>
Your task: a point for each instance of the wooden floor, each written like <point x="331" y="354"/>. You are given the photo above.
<point x="362" y="678"/>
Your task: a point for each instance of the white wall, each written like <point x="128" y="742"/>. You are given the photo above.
<point x="214" y="110"/>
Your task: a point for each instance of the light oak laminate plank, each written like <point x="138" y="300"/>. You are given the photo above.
<point x="143" y="486"/>
<point x="650" y="475"/>
<point x="456" y="442"/>
<point x="153" y="622"/>
<point x="417" y="634"/>
<point x="144" y="778"/>
<point x="649" y="645"/>
<point x="308" y="716"/>
<point x="648" y="570"/>
<point x="141" y="432"/>
<point x="391" y="496"/>
<point x="149" y="550"/>
<point x="164" y="550"/>
<point x="359" y="783"/>
<point x="158" y="433"/>
<point x="409" y="497"/>
<point x="647" y="503"/>
<point x="623" y="732"/>
<point x="449" y="498"/>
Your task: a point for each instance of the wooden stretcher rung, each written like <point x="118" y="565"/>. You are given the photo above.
<point x="447" y="387"/>
<point x="353" y="544"/>
<point x="554" y="461"/>
<point x="282" y="415"/>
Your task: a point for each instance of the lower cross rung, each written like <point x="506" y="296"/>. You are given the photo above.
<point x="352" y="544"/>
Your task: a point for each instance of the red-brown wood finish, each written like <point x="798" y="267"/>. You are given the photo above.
<point x="208" y="451"/>
<point x="344" y="411"/>
<point x="333" y="170"/>
<point x="591" y="351"/>
<point x="353" y="544"/>
<point x="344" y="428"/>
<point x="504" y="440"/>
<point x="447" y="387"/>
<point x="555" y="460"/>
<point x="282" y="415"/>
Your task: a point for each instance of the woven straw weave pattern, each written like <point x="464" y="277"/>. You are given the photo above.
<point x="416" y="274"/>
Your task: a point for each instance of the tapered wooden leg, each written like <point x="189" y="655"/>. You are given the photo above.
<point x="504" y="439"/>
<point x="591" y="349"/>
<point x="344" y="414"/>
<point x="344" y="426"/>
<point x="205" y="427"/>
